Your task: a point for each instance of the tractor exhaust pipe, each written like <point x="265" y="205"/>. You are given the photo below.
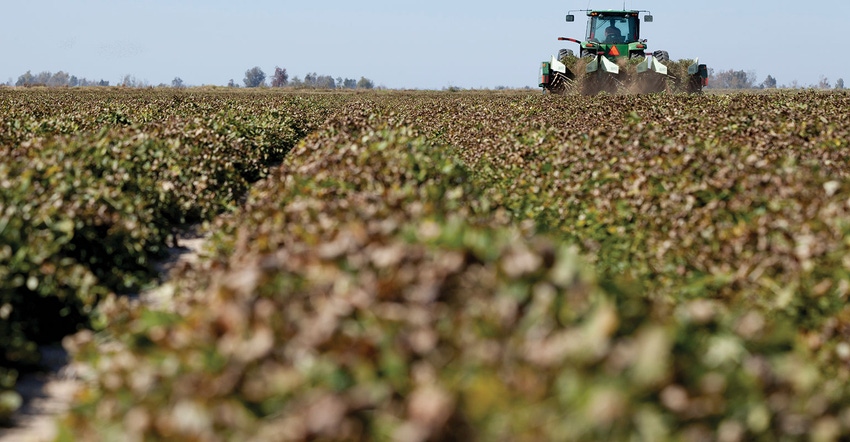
<point x="569" y="39"/>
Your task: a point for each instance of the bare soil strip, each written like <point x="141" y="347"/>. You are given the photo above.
<point x="48" y="394"/>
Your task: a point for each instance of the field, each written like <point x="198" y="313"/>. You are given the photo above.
<point x="432" y="266"/>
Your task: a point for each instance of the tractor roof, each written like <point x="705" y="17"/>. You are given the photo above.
<point x="611" y="12"/>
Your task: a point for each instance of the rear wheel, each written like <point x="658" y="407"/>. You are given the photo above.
<point x="661" y="56"/>
<point x="564" y="53"/>
<point x="694" y="84"/>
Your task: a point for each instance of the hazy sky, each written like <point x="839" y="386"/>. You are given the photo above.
<point x="425" y="44"/>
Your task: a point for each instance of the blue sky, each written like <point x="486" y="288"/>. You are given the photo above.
<point x="424" y="45"/>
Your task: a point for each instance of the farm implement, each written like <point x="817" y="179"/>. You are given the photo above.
<point x="613" y="58"/>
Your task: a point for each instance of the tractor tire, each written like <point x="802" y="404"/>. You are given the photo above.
<point x="694" y="85"/>
<point x="564" y="53"/>
<point x="661" y="56"/>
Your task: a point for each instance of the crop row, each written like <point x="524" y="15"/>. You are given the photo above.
<point x="94" y="185"/>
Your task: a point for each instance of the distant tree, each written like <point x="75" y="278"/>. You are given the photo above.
<point x="365" y="83"/>
<point x="314" y="80"/>
<point x="73" y="81"/>
<point x="769" y="83"/>
<point x="25" y="79"/>
<point x="254" y="77"/>
<point x="349" y="83"/>
<point x="823" y="83"/>
<point x="325" y="82"/>
<point x="339" y="81"/>
<point x="103" y="82"/>
<point x="732" y="79"/>
<point x="59" y="79"/>
<point x="280" y="77"/>
<point x="232" y="83"/>
<point x="43" y="78"/>
<point x="839" y="84"/>
<point x="132" y="81"/>
<point x="177" y="83"/>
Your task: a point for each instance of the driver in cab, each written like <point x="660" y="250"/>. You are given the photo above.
<point x="613" y="35"/>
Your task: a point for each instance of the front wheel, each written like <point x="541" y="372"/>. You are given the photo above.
<point x="661" y="56"/>
<point x="564" y="53"/>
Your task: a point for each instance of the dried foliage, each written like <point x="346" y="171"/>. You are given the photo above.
<point x="507" y="267"/>
<point x="92" y="185"/>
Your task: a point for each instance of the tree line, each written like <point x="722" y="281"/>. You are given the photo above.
<point x="64" y="79"/>
<point x="255" y="77"/>
<point x="739" y="79"/>
<point x="60" y="78"/>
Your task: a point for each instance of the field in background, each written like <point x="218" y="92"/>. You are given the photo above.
<point x="421" y="265"/>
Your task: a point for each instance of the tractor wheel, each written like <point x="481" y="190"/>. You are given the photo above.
<point x="661" y="56"/>
<point x="694" y="85"/>
<point x="564" y="53"/>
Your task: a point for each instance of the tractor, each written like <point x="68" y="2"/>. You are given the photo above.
<point x="615" y="58"/>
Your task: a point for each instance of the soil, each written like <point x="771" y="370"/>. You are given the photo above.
<point x="46" y="395"/>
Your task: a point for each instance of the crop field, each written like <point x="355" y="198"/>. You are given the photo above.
<point x="432" y="266"/>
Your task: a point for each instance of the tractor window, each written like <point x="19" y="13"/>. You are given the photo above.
<point x="612" y="29"/>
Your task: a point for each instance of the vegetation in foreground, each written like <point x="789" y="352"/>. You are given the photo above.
<point x="503" y="266"/>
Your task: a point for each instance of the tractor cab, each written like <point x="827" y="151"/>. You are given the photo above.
<point x="613" y="27"/>
<point x="617" y="30"/>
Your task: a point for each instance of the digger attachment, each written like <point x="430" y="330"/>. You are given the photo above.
<point x="697" y="77"/>
<point x="650" y="64"/>
<point x="603" y="64"/>
<point x="555" y="77"/>
<point x="620" y="76"/>
<point x="651" y="76"/>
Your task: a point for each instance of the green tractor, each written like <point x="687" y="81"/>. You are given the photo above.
<point x="614" y="58"/>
